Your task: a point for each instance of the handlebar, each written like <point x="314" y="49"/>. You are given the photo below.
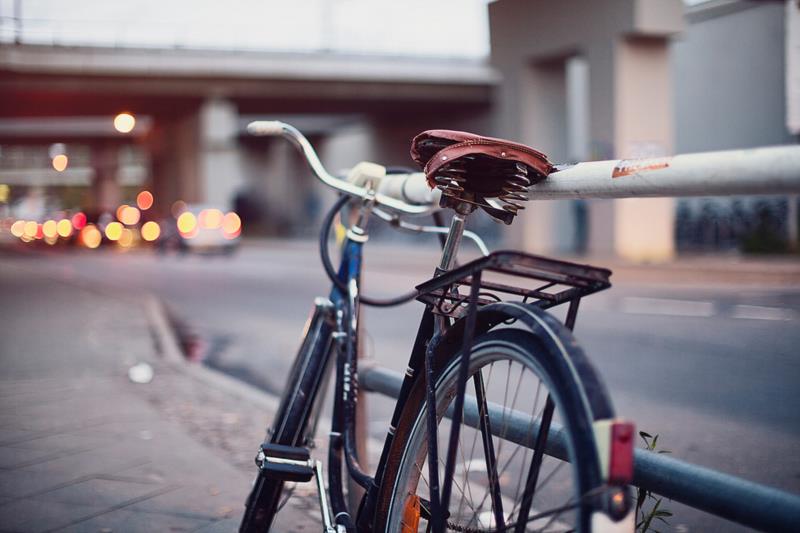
<point x="406" y="193"/>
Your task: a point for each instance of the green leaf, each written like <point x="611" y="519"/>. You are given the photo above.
<point x="641" y="496"/>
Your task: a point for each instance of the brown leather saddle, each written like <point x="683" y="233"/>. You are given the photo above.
<point x="493" y="174"/>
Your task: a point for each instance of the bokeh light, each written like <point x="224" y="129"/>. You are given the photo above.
<point x="51" y="240"/>
<point x="150" y="231"/>
<point x="60" y="162"/>
<point x="79" y="220"/>
<point x="50" y="229"/>
<point x="64" y="227"/>
<point x="113" y="231"/>
<point x="129" y="215"/>
<point x="144" y="200"/>
<point x="30" y="229"/>
<point x="126" y="238"/>
<point x="18" y="228"/>
<point x="91" y="236"/>
<point x="210" y="218"/>
<point x="178" y="207"/>
<point x="124" y="122"/>
<point x="231" y="224"/>
<point x="187" y="224"/>
<point x="39" y="232"/>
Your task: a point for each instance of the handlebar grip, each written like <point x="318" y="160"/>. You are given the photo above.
<point x="409" y="188"/>
<point x="262" y="128"/>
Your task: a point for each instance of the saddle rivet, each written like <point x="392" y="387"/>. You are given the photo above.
<point x="502" y="154"/>
<point x="444" y="158"/>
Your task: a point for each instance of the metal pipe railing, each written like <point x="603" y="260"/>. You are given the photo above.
<point x="723" y="495"/>
<point x="770" y="170"/>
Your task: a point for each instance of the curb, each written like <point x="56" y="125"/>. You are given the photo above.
<point x="168" y="347"/>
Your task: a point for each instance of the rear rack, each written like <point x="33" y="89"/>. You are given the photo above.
<point x="563" y="282"/>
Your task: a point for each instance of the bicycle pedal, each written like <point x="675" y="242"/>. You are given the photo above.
<point x="285" y="463"/>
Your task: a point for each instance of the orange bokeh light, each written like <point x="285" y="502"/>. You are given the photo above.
<point x="210" y="218"/>
<point x="18" y="228"/>
<point x="64" y="227"/>
<point x="50" y="229"/>
<point x="144" y="200"/>
<point x="129" y="215"/>
<point x="231" y="224"/>
<point x="187" y="224"/>
<point x="91" y="236"/>
<point x="124" y="122"/>
<point x="150" y="231"/>
<point x="127" y="238"/>
<point x="29" y="229"/>
<point x="60" y="162"/>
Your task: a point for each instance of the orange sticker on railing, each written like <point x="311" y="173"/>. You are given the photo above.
<point x="626" y="167"/>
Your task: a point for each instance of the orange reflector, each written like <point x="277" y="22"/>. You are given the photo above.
<point x="411" y="515"/>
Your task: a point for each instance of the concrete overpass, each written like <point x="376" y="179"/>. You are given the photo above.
<point x="195" y="103"/>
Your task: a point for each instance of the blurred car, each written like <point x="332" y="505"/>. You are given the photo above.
<point x="202" y="229"/>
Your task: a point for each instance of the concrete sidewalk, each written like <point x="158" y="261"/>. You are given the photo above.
<point x="82" y="448"/>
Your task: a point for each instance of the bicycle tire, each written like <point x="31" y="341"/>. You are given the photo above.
<point x="563" y="383"/>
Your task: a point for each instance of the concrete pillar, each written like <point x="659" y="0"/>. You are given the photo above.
<point x="622" y="47"/>
<point x="643" y="127"/>
<point x="221" y="173"/>
<point x="105" y="187"/>
<point x="173" y="148"/>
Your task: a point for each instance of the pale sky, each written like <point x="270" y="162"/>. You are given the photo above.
<point x="455" y="28"/>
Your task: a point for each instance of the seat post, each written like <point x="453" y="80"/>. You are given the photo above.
<point x="454" y="236"/>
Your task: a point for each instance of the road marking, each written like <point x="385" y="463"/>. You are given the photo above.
<point x="759" y="312"/>
<point x="664" y="306"/>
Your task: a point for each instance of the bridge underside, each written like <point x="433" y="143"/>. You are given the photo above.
<point x="192" y="106"/>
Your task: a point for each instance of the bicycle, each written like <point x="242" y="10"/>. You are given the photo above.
<point x="536" y="405"/>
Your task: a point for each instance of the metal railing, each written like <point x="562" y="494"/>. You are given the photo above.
<point x="723" y="495"/>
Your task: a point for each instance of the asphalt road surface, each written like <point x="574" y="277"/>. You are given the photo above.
<point x="714" y="369"/>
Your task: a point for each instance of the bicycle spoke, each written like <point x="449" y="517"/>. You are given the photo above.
<point x="525" y="455"/>
<point x="465" y="478"/>
<point x="488" y="451"/>
<point x="524" y="460"/>
<point x="536" y="463"/>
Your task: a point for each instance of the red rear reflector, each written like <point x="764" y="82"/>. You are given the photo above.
<point x="620" y="465"/>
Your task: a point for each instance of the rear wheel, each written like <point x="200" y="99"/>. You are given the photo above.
<point x="525" y="387"/>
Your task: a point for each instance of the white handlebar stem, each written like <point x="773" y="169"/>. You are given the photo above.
<point x="411" y="188"/>
<point x="277" y="128"/>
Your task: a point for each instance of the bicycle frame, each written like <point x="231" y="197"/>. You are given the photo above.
<point x="331" y="333"/>
<point x="333" y="330"/>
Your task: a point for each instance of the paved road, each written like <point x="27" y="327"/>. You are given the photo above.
<point x="714" y="370"/>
